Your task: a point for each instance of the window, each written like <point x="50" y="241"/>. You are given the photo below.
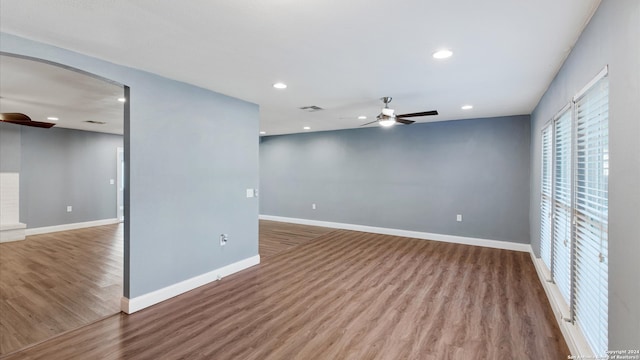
<point x="574" y="208"/>
<point x="561" y="268"/>
<point x="545" y="196"/>
<point x="591" y="214"/>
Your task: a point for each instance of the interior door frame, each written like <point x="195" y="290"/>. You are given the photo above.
<point x="120" y="184"/>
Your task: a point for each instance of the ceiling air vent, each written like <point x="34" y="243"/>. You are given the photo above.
<point x="311" y="108"/>
<point x="95" y="122"/>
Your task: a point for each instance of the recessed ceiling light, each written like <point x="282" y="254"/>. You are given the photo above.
<point x="442" y="54"/>
<point x="122" y="99"/>
<point x="262" y="132"/>
<point x="362" y="117"/>
<point x="466" y="107"/>
<point x="307" y="128"/>
<point x="280" y="85"/>
<point x="52" y="118"/>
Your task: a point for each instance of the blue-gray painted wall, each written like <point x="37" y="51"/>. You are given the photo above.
<point x="10" y="151"/>
<point x="192" y="154"/>
<point x="611" y="38"/>
<point x="416" y="177"/>
<point x="63" y="167"/>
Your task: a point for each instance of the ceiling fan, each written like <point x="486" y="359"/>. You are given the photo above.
<point x="22" y="119"/>
<point x="388" y="117"/>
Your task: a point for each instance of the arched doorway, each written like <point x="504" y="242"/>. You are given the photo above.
<point x="69" y="270"/>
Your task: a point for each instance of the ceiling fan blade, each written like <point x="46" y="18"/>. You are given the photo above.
<point x="22" y="119"/>
<point x="424" y="113"/>
<point x="14" y="117"/>
<point x="369" y="123"/>
<point x="31" y="123"/>
<point x="404" y="121"/>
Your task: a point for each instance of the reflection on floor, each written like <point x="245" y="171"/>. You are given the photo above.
<point x="276" y="237"/>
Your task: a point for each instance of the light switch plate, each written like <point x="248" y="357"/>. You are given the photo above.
<point x="69" y="208"/>
<point x="111" y="181"/>
<point x="459" y="217"/>
<point x="250" y="193"/>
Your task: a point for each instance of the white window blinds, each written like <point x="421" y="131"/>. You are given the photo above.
<point x="545" y="194"/>
<point x="561" y="264"/>
<point x="591" y="214"/>
<point x="574" y="209"/>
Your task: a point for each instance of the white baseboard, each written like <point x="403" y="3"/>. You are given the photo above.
<point x="497" y="244"/>
<point x="138" y="303"/>
<point x="12" y="232"/>
<point x="66" y="227"/>
<point x="571" y="332"/>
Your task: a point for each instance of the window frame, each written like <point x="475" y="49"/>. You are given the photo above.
<point x="581" y="229"/>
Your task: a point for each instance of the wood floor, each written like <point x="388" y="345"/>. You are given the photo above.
<point x="56" y="282"/>
<point x="342" y="295"/>
<point x="276" y="237"/>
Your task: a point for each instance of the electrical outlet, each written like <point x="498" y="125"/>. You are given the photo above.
<point x="313" y="206"/>
<point x="223" y="239"/>
<point x="459" y="218"/>
<point x="69" y="208"/>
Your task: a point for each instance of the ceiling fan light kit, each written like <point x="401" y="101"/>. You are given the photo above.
<point x="386" y="121"/>
<point x="387" y="116"/>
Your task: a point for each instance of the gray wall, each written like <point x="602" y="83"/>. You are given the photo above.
<point x="10" y="152"/>
<point x="192" y="153"/>
<point x="414" y="177"/>
<point x="612" y="37"/>
<point x="62" y="167"/>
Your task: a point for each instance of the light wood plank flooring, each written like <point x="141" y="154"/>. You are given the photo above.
<point x="342" y="295"/>
<point x="52" y="283"/>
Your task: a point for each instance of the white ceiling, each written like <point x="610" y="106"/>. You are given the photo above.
<point x="41" y="90"/>
<point x="339" y="55"/>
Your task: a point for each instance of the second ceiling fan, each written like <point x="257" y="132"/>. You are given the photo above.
<point x="388" y="117"/>
<point x="22" y="119"/>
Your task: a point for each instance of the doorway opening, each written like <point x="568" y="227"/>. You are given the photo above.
<point x="69" y="270"/>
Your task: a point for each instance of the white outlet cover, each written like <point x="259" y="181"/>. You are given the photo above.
<point x="69" y="208"/>
<point x="111" y="181"/>
<point x="459" y="217"/>
<point x="250" y="193"/>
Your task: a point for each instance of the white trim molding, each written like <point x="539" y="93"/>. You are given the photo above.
<point x="138" y="303"/>
<point x="12" y="232"/>
<point x="66" y="227"/>
<point x="497" y="244"/>
<point x="571" y="332"/>
<point x="604" y="72"/>
<point x="11" y="229"/>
